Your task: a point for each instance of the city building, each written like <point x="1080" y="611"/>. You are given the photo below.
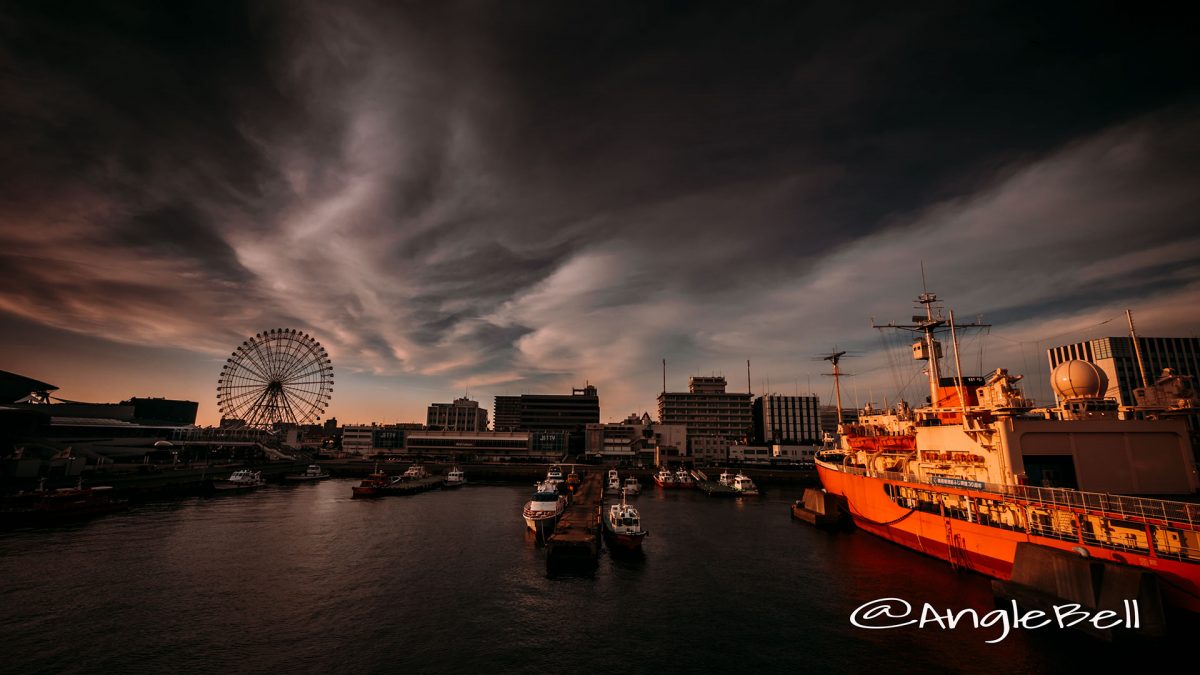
<point x="472" y="446"/>
<point x="506" y="414"/>
<point x="636" y="439"/>
<point x="710" y="414"/>
<point x="1118" y="359"/>
<point x="793" y="420"/>
<point x="828" y="417"/>
<point x="461" y="415"/>
<point x="548" y="412"/>
<point x="358" y="439"/>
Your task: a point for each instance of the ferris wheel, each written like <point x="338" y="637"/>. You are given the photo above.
<point x="279" y="375"/>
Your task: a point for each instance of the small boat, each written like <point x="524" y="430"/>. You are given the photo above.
<point x="684" y="480"/>
<point x="454" y="478"/>
<point x="742" y="484"/>
<point x="725" y="479"/>
<point x="631" y="487"/>
<point x="623" y="527"/>
<point x="554" y="474"/>
<point x="415" y="472"/>
<point x="544" y="509"/>
<point x="42" y="507"/>
<point x="372" y="485"/>
<point x="242" y="479"/>
<point x="573" y="480"/>
<point x="613" y="485"/>
<point x="313" y="473"/>
<point x="665" y="479"/>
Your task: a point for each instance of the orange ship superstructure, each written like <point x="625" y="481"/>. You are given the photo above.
<point x="981" y="469"/>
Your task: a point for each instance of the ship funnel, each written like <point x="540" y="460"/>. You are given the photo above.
<point x="1079" y="380"/>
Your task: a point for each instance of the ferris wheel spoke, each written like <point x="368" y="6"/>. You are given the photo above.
<point x="251" y="363"/>
<point x="304" y="357"/>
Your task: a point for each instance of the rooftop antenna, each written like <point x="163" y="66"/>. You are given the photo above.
<point x="749" y="390"/>
<point x="664" y="376"/>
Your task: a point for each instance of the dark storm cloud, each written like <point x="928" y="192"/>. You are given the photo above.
<point x="507" y="193"/>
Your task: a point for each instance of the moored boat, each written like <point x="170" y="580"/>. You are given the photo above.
<point x="46" y="507"/>
<point x="684" y="480"/>
<point x="415" y="472"/>
<point x="242" y="479"/>
<point x="623" y="527"/>
<point x="573" y="480"/>
<point x="554" y="474"/>
<point x="665" y="479"/>
<point x="542" y="512"/>
<point x="612" y="485"/>
<point x="373" y="485"/>
<point x="313" y="473"/>
<point x="454" y="478"/>
<point x="742" y="484"/>
<point x="988" y="473"/>
<point x="631" y="487"/>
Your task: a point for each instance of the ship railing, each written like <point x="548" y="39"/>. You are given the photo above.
<point x="1143" y="508"/>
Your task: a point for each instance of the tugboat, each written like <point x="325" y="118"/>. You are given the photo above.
<point x="573" y="480"/>
<point x="372" y="485"/>
<point x="312" y="474"/>
<point x="544" y="509"/>
<point x="623" y="527"/>
<point x="613" y="485"/>
<point x="454" y="478"/>
<point x="665" y="479"/>
<point x="631" y="487"/>
<point x="242" y="479"/>
<point x="44" y="507"/>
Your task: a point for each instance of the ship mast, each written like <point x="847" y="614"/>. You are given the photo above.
<point x="837" y="383"/>
<point x="927" y="348"/>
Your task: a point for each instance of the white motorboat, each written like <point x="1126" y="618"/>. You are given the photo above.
<point x="544" y="509"/>
<point x="242" y="479"/>
<point x="631" y="487"/>
<point x="454" y="478"/>
<point x="613" y="485"/>
<point x="313" y="473"/>
<point x="742" y="484"/>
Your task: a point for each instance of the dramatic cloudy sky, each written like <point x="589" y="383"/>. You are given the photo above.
<point x="514" y="197"/>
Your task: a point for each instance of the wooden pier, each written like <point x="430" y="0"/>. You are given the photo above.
<point x="576" y="540"/>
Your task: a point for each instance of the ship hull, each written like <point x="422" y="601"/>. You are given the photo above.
<point x="542" y="526"/>
<point x="624" y="541"/>
<point x="981" y="548"/>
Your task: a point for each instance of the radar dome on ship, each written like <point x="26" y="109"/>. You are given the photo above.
<point x="1077" y="379"/>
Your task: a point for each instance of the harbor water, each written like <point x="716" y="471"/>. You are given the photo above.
<point x="306" y="579"/>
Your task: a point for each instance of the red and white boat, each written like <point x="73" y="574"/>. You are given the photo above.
<point x="983" y="470"/>
<point x="665" y="479"/>
<point x="623" y="527"/>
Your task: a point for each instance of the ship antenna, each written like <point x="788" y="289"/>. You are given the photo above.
<point x="1137" y="349"/>
<point x="962" y="400"/>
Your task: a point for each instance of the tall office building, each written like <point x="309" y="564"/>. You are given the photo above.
<point x="787" y="419"/>
<point x="707" y="410"/>
<point x="1117" y="358"/>
<point x="548" y="412"/>
<point x="461" y="415"/>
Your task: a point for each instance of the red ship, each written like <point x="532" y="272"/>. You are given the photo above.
<point x="982" y="470"/>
